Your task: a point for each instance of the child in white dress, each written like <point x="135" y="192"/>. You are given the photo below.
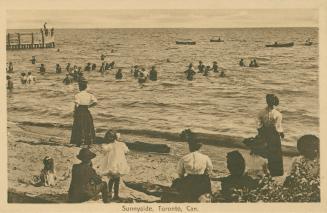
<point x="114" y="163"/>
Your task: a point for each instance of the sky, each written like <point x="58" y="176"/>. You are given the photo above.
<point x="162" y="18"/>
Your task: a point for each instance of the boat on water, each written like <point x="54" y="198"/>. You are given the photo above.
<point x="216" y="39"/>
<point x="291" y="44"/>
<point x="185" y="42"/>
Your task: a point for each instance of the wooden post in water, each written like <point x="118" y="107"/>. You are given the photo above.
<point x="8" y="41"/>
<point x="42" y="39"/>
<point x="32" y="40"/>
<point x="18" y="40"/>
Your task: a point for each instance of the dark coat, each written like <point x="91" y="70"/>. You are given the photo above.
<point x="85" y="183"/>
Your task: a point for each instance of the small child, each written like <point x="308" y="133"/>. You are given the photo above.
<point x="114" y="163"/>
<point x="48" y="174"/>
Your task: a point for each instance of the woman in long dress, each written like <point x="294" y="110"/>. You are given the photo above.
<point x="271" y="131"/>
<point x="83" y="128"/>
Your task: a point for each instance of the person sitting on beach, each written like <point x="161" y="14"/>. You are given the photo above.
<point x="58" y="68"/>
<point x="193" y="170"/>
<point x="242" y="63"/>
<point x="190" y="72"/>
<point x="201" y="67"/>
<point x="48" y="174"/>
<point x="114" y="163"/>
<point x="306" y="165"/>
<point x="88" y="67"/>
<point x="67" y="80"/>
<point x="23" y="78"/>
<point x="83" y="131"/>
<point x="30" y="78"/>
<point x="10" y="67"/>
<point x="94" y="66"/>
<point x="10" y="83"/>
<point x="86" y="183"/>
<point x="237" y="180"/>
<point x="119" y="74"/>
<point x="256" y="162"/>
<point x="206" y="71"/>
<point x="33" y="60"/>
<point x="42" y="69"/>
<point x="215" y="66"/>
<point x="153" y="74"/>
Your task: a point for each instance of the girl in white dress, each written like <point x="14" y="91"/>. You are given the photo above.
<point x="114" y="163"/>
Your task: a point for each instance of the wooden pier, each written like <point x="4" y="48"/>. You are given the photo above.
<point x="34" y="40"/>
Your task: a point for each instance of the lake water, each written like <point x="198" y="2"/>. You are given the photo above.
<point x="208" y="104"/>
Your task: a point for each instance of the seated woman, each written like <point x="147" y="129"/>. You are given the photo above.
<point x="193" y="170"/>
<point x="306" y="165"/>
<point x="256" y="162"/>
<point x="85" y="183"/>
<point x="237" y="180"/>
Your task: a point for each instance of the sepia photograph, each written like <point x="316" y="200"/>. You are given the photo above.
<point x="162" y="107"/>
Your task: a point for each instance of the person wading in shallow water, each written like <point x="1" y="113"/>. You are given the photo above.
<point x="83" y="128"/>
<point x="271" y="130"/>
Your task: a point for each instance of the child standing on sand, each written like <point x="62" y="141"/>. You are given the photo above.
<point x="114" y="163"/>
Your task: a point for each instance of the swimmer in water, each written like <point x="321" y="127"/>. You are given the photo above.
<point x="190" y="72"/>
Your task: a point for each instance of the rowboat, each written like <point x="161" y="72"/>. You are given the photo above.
<point x="291" y="44"/>
<point x="185" y="42"/>
<point x="216" y="39"/>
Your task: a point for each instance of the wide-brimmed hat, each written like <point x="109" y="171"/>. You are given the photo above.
<point x="85" y="155"/>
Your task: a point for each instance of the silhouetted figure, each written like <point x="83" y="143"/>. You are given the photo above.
<point x="242" y="63"/>
<point x="67" y="80"/>
<point x="222" y="74"/>
<point x="94" y="66"/>
<point x="10" y="83"/>
<point x="23" y="78"/>
<point x="215" y="66"/>
<point x="58" y="68"/>
<point x="88" y="67"/>
<point x="153" y="74"/>
<point x="206" y="71"/>
<point x="201" y="67"/>
<point x="68" y="67"/>
<point x="102" y="57"/>
<point x="42" y="69"/>
<point x="190" y="72"/>
<point x="33" y="60"/>
<point x="119" y="74"/>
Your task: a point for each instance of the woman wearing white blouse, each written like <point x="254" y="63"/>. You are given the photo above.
<point x="270" y="128"/>
<point x="83" y="128"/>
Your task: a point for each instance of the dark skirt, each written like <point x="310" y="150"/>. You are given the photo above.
<point x="83" y="128"/>
<point x="274" y="150"/>
<point x="191" y="187"/>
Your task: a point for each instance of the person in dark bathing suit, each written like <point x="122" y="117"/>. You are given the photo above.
<point x="206" y="71"/>
<point x="215" y="66"/>
<point x="33" y="60"/>
<point x="190" y="72"/>
<point x="153" y="74"/>
<point x="242" y="63"/>
<point x="67" y="80"/>
<point x="201" y="67"/>
<point x="119" y="74"/>
<point x="58" y="68"/>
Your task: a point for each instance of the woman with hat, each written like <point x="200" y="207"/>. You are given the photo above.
<point x="83" y="128"/>
<point x="193" y="170"/>
<point x="271" y="130"/>
<point x="85" y="183"/>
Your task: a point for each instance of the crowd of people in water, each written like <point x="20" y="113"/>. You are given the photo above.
<point x="76" y="73"/>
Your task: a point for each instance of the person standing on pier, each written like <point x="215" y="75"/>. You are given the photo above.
<point x="271" y="130"/>
<point x="83" y="128"/>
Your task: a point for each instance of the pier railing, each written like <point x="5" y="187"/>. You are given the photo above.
<point x="33" y="40"/>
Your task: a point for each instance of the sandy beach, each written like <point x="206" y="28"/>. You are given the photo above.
<point x="28" y="145"/>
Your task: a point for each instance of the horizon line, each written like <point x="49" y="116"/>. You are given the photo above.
<point x="96" y="28"/>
